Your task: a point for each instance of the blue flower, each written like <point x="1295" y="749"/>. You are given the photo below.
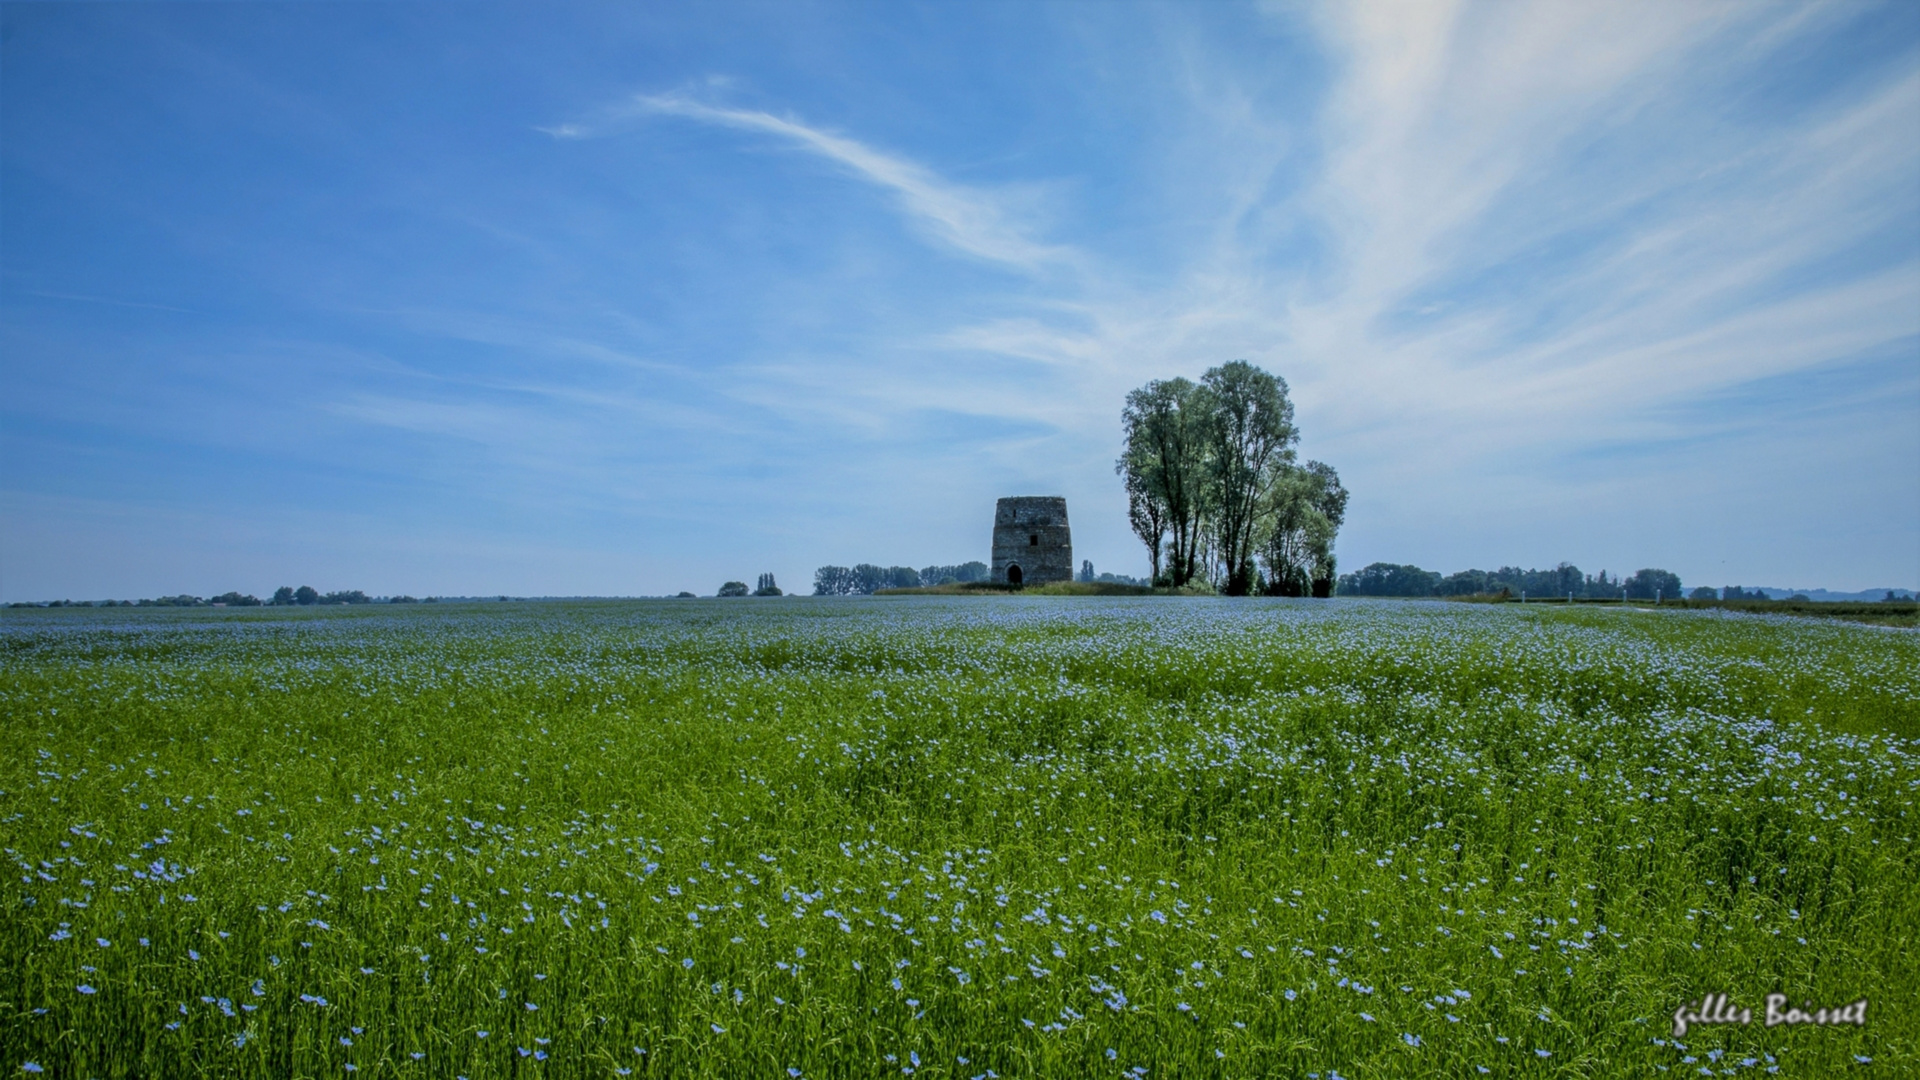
<point x="85" y="989"/>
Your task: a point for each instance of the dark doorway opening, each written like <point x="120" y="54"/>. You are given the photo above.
<point x="1013" y="574"/>
<point x="1033" y="540"/>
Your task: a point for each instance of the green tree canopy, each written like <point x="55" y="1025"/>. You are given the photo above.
<point x="1165" y="429"/>
<point x="1389" y="579"/>
<point x="1250" y="435"/>
<point x="1304" y="509"/>
<point x="1210" y="477"/>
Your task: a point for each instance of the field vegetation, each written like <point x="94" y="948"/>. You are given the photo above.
<point x="1051" y="588"/>
<point x="1905" y="613"/>
<point x="952" y="837"/>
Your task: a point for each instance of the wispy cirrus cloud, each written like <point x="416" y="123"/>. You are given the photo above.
<point x="1531" y="191"/>
<point x="968" y="219"/>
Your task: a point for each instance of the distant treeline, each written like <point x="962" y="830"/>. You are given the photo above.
<point x="284" y="596"/>
<point x="868" y="578"/>
<point x="1392" y="579"/>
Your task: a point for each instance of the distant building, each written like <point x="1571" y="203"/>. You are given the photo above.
<point x="1031" y="542"/>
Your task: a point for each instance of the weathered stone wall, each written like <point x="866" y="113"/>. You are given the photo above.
<point x="1030" y="532"/>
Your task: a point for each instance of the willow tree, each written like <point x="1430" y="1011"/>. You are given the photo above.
<point x="1146" y="514"/>
<point x="1249" y="438"/>
<point x="1166" y="424"/>
<point x="1305" y="508"/>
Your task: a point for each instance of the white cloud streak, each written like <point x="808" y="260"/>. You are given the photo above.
<point x="969" y="220"/>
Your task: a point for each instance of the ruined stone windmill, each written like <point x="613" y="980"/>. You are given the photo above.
<point x="1031" y="541"/>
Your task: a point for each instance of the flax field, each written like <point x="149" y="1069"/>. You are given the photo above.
<point x="953" y="837"/>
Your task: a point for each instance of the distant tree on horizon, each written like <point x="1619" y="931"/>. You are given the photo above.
<point x="1649" y="584"/>
<point x="962" y="574"/>
<point x="733" y="588"/>
<point x="868" y="578"/>
<point x="766" y="587"/>
<point x="1389" y="579"/>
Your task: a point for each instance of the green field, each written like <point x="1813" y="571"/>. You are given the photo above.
<point x="952" y="837"/>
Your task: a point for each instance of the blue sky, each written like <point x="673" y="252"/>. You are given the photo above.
<point x="626" y="299"/>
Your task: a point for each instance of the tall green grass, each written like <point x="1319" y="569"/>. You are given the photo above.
<point x="951" y="837"/>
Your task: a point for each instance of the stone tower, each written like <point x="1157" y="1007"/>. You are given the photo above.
<point x="1031" y="542"/>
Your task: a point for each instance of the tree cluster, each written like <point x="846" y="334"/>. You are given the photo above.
<point x="1215" y="490"/>
<point x="766" y="587"/>
<point x="1393" y="579"/>
<point x="307" y="595"/>
<point x="1086" y="575"/>
<point x="867" y="578"/>
<point x="963" y="574"/>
